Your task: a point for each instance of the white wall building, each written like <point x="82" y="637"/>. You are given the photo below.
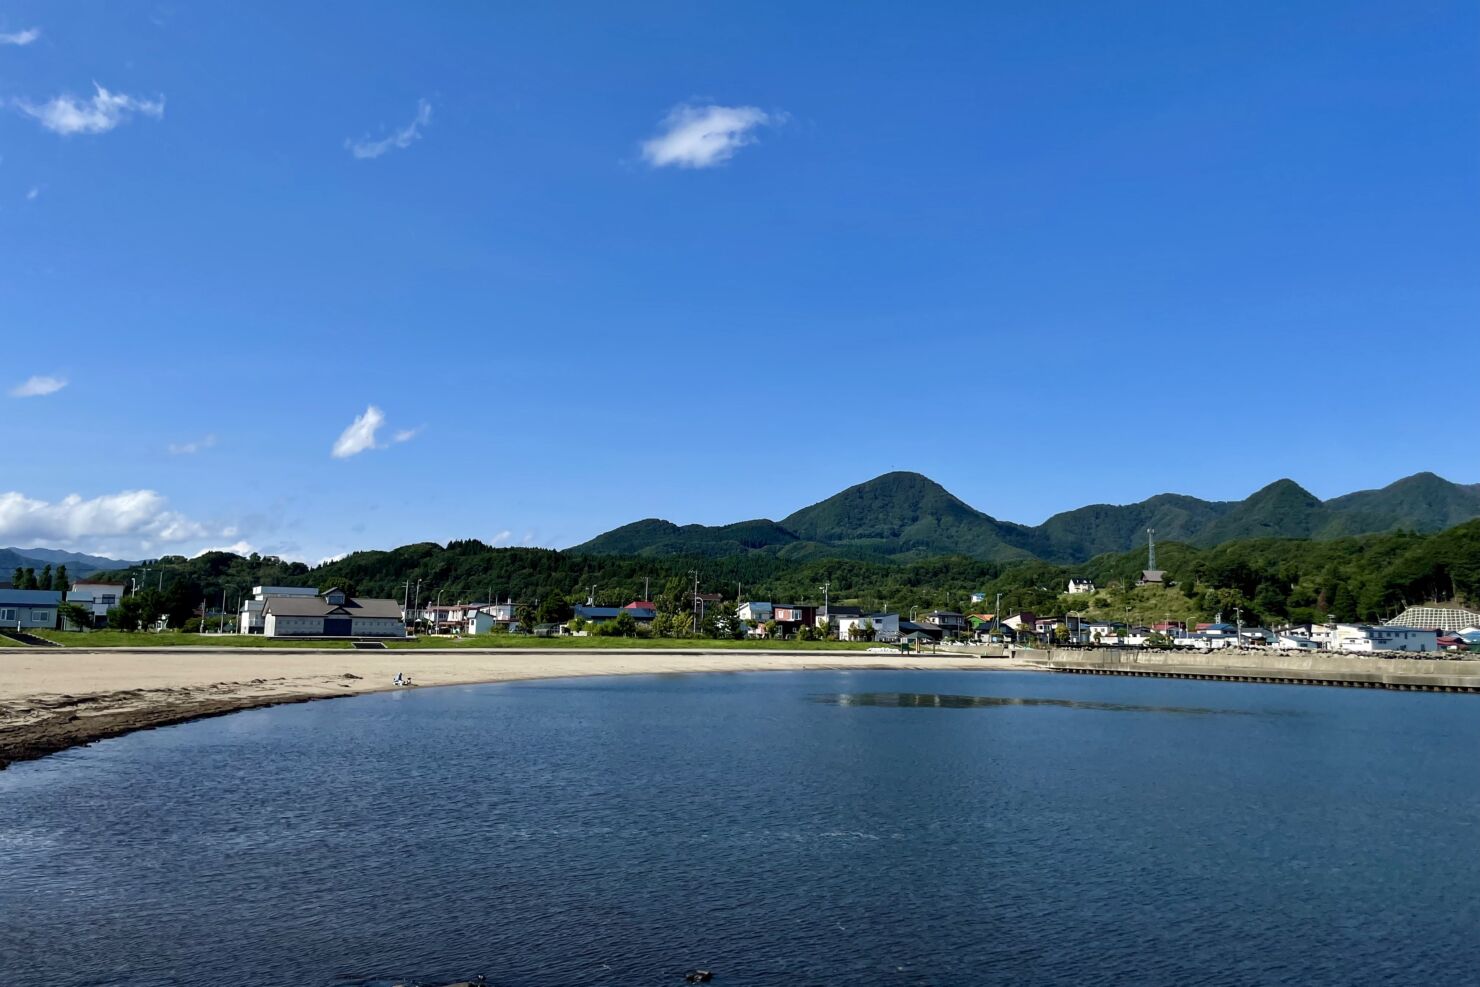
<point x="886" y="627"/>
<point x="1081" y="586"/>
<point x="334" y="614"/>
<point x="97" y="597"/>
<point x="250" y="620"/>
<point x="1369" y="638"/>
<point x="755" y="610"/>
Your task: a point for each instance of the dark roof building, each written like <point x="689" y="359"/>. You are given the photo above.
<point x="332" y="613"/>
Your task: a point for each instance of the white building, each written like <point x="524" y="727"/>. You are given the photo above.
<point x="886" y="627"/>
<point x="250" y="620"/>
<point x="482" y="618"/>
<point x="97" y="597"/>
<point x="756" y="611"/>
<point x="1286" y="641"/>
<point x="334" y="614"/>
<point x="1081" y="585"/>
<point x="1369" y="638"/>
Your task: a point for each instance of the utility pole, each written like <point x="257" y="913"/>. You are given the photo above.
<point x="695" y="574"/>
<point x="826" y="586"/>
<point x="1238" y="620"/>
<point x="416" y="602"/>
<point x="646" y="590"/>
<point x="221" y="627"/>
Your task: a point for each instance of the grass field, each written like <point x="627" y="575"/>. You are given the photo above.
<point x="168" y="639"/>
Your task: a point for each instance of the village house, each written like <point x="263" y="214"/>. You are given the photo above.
<point x="841" y="619"/>
<point x="886" y="627"/>
<point x="947" y="621"/>
<point x="1370" y="638"/>
<point x="29" y="609"/>
<point x="99" y="598"/>
<point x="790" y="618"/>
<point x="1079" y="585"/>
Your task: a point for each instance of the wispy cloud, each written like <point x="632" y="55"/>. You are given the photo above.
<point x="502" y="538"/>
<point x="38" y="387"/>
<point x="365" y="148"/>
<point x="32" y="193"/>
<point x="360" y="435"/>
<point x="192" y="447"/>
<point x="67" y="114"/>
<point x="20" y="37"/>
<point x="704" y="136"/>
<point x="407" y="434"/>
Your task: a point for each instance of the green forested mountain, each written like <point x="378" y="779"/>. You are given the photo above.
<point x="77" y="563"/>
<point x="908" y="517"/>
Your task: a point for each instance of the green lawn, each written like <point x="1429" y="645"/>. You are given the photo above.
<point x="175" y="639"/>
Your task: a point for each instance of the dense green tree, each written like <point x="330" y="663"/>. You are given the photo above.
<point x="554" y="609"/>
<point x="59" y="579"/>
<point x="75" y="614"/>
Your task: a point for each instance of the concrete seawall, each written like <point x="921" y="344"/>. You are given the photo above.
<point x="1410" y="674"/>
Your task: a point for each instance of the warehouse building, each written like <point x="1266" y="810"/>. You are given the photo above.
<point x="332" y="613"/>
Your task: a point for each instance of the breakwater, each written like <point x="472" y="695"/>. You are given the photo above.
<point x="1346" y="671"/>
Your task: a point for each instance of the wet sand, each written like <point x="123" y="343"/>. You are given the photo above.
<point x="53" y="699"/>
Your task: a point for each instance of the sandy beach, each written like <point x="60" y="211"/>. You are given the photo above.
<point x="51" y="700"/>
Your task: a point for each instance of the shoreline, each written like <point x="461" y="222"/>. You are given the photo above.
<point x="52" y="700"/>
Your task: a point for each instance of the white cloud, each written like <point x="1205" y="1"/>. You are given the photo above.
<point x="704" y="136"/>
<point x="33" y="192"/>
<point x="331" y="558"/>
<point x="502" y="538"/>
<point x="236" y="548"/>
<point x="407" y="434"/>
<point x="38" y="387"/>
<point x="21" y="37"/>
<point x="68" y="115"/>
<point x="142" y="517"/>
<point x="192" y="447"/>
<point x="360" y="435"/>
<point x="366" y="148"/>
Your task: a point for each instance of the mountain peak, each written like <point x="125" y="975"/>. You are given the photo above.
<point x="905" y="516"/>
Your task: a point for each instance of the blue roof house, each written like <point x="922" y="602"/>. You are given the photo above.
<point x="29" y="609"/>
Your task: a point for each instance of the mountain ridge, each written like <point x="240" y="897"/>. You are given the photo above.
<point x="906" y="516"/>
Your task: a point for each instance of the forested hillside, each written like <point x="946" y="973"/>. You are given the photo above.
<point x="904" y="517"/>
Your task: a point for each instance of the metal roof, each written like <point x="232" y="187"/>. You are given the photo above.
<point x="30" y="597"/>
<point x="317" y="606"/>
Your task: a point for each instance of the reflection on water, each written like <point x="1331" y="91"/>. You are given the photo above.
<point x="935" y="700"/>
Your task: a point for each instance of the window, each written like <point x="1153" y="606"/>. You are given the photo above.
<point x="7" y="615"/>
<point x="109" y="599"/>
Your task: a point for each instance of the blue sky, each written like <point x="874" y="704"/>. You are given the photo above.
<point x="708" y="262"/>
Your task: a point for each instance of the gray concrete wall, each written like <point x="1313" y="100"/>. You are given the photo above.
<point x="1297" y="666"/>
<point x="1318" y="662"/>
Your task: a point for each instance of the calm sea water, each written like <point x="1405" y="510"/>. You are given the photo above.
<point x="798" y="828"/>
